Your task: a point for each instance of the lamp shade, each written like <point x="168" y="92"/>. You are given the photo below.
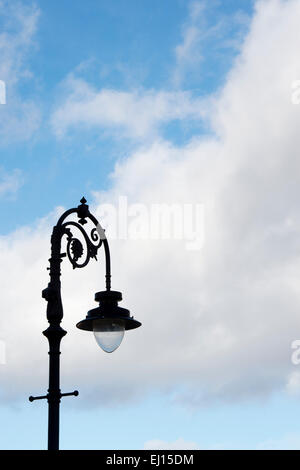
<point x="108" y="321"/>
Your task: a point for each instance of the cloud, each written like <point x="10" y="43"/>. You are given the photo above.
<point x="16" y="39"/>
<point x="136" y="114"/>
<point x="189" y="52"/>
<point x="205" y="36"/>
<point x="20" y="116"/>
<point x="11" y="182"/>
<point x="217" y="323"/>
<point x="142" y="114"/>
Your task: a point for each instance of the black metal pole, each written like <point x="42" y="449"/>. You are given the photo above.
<point x="54" y="336"/>
<point x="54" y="333"/>
<point x="52" y="294"/>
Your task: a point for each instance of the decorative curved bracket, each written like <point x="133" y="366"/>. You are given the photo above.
<point x="75" y="249"/>
<point x="81" y="247"/>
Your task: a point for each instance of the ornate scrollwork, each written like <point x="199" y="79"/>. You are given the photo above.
<point x="76" y="248"/>
<point x="82" y="244"/>
<point x="78" y="254"/>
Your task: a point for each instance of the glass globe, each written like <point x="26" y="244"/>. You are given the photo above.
<point x="109" y="333"/>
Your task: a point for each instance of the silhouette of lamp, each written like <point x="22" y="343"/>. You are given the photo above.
<point x="108" y="321"/>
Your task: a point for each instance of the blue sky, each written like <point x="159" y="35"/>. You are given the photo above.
<point x="178" y="102"/>
<point x="123" y="46"/>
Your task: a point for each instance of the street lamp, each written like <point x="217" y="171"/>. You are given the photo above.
<point x="108" y="321"/>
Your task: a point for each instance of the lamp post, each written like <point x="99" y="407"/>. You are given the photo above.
<point x="108" y="321"/>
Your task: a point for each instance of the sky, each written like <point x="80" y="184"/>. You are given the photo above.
<point x="179" y="122"/>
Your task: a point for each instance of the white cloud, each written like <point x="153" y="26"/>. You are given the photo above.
<point x="189" y="52"/>
<point x="20" y="116"/>
<point x="218" y="323"/>
<point x="137" y="114"/>
<point x="205" y="38"/>
<point x="10" y="182"/>
<point x="16" y="39"/>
